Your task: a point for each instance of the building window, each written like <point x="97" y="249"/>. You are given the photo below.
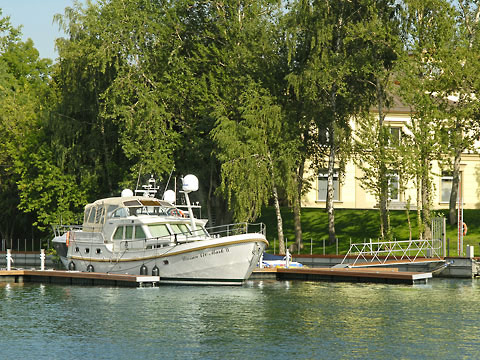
<point x="322" y="185"/>
<point x="395" y="136"/>
<point x="446" y="186"/>
<point x="393" y="187"/>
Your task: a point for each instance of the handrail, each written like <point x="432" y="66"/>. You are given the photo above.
<point x="382" y="251"/>
<point x="167" y="240"/>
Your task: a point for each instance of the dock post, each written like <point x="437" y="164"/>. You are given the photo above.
<point x="470" y="251"/>
<point x="9" y="259"/>
<point x="42" y="259"/>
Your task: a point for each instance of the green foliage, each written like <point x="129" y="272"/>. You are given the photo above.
<point x="48" y="191"/>
<point x="23" y="88"/>
<point x="251" y="149"/>
<point x="240" y="93"/>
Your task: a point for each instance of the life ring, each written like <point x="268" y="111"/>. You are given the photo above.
<point x="177" y="212"/>
<point x="68" y="238"/>
<point x="465" y="228"/>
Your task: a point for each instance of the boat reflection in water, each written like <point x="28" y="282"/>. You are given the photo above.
<point x="142" y="235"/>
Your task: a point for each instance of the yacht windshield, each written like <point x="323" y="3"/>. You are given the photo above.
<point x="179" y="228"/>
<point x="158" y="230"/>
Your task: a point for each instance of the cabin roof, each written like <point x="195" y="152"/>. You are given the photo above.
<point x="128" y="201"/>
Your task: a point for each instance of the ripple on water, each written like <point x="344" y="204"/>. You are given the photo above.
<point x="261" y="320"/>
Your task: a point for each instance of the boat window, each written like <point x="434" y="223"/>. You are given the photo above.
<point x="99" y="216"/>
<point x="129" y="232"/>
<point x="131" y="203"/>
<point x="110" y="211"/>
<point x="91" y="217"/>
<point x="87" y="212"/>
<point x="118" y="233"/>
<point x="158" y="230"/>
<point x="179" y="228"/>
<point x="135" y="210"/>
<point x="139" y="233"/>
<point x="120" y="213"/>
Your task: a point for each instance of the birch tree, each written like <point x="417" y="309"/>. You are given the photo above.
<point x="427" y="25"/>
<point x="323" y="78"/>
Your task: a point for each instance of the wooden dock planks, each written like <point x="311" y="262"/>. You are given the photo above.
<point x="77" y="278"/>
<point x="377" y="275"/>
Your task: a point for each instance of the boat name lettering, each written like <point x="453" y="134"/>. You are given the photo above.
<point x="190" y="257"/>
<point x="215" y="252"/>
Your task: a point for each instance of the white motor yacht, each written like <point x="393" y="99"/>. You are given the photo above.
<point x="142" y="235"/>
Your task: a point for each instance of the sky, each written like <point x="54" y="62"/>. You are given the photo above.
<point x="36" y="18"/>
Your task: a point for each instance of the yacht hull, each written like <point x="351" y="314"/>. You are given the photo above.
<point x="228" y="260"/>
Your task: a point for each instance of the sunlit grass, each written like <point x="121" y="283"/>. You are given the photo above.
<point x="358" y="226"/>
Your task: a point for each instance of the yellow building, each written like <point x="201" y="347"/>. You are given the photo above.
<point x="350" y="195"/>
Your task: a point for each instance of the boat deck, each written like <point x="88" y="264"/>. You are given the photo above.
<point x="77" y="278"/>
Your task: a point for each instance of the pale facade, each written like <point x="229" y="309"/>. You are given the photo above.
<point x="350" y="195"/>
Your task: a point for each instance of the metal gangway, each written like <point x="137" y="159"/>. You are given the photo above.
<point x="403" y="250"/>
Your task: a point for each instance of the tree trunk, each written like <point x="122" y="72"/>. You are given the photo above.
<point x="281" y="240"/>
<point x="452" y="208"/>
<point x="382" y="171"/>
<point x="330" y="189"/>
<point x="297" y="206"/>
<point x="426" y="216"/>
<point x="407" y="209"/>
<point x="419" y="207"/>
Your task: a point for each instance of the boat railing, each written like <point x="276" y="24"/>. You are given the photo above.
<point x="237" y="229"/>
<point x="59" y="230"/>
<point x="77" y="232"/>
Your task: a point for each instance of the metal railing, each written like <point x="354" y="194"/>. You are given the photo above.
<point x="23" y="245"/>
<point x="237" y="229"/>
<point x="382" y="251"/>
<point x="78" y="233"/>
<point x="168" y="240"/>
<point x="59" y="230"/>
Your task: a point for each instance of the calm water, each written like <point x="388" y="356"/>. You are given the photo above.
<point x="261" y="320"/>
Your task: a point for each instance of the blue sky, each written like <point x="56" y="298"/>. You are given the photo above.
<point x="36" y="18"/>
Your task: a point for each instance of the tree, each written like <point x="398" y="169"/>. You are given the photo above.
<point x="253" y="155"/>
<point x="324" y="80"/>
<point x="379" y="46"/>
<point x="23" y="88"/>
<point x="426" y="32"/>
<point x="458" y="91"/>
<point x="113" y="77"/>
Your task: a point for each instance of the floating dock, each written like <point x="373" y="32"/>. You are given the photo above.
<point x="77" y="278"/>
<point x="376" y="275"/>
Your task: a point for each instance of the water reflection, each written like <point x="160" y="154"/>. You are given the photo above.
<point x="261" y="320"/>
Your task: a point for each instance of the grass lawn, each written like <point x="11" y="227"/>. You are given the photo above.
<point x="359" y="226"/>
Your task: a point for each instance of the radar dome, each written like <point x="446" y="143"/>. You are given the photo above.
<point x="190" y="183"/>
<point x="169" y="196"/>
<point x="127" y="193"/>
